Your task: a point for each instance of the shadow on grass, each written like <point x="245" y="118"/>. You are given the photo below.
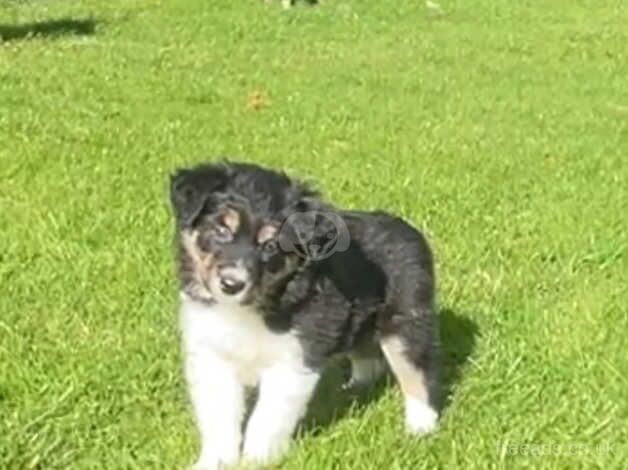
<point x="331" y="403"/>
<point x="458" y="337"/>
<point x="51" y="28"/>
<point x="308" y="2"/>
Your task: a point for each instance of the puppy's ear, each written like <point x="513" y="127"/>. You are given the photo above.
<point x="191" y="189"/>
<point x="309" y="202"/>
<point x="186" y="199"/>
<point x="302" y="194"/>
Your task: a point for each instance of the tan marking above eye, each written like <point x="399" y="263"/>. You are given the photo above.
<point x="266" y="233"/>
<point x="231" y="219"/>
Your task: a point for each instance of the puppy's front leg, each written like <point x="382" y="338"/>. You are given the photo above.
<point x="218" y="401"/>
<point x="284" y="394"/>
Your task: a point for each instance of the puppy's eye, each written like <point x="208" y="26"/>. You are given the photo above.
<point x="222" y="233"/>
<point x="270" y="247"/>
<point x="205" y="241"/>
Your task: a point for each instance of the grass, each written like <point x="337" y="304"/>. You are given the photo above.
<point x="499" y="128"/>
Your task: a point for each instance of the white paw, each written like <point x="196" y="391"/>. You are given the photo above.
<point x="206" y="464"/>
<point x="421" y="418"/>
<point x="213" y="462"/>
<point x="261" y="451"/>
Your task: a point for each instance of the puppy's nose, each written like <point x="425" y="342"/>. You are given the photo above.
<point x="231" y="285"/>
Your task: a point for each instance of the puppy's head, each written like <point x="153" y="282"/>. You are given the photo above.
<point x="228" y="231"/>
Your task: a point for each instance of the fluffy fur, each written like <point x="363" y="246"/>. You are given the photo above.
<point x="260" y="308"/>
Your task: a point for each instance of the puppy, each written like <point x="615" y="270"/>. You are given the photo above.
<point x="273" y="284"/>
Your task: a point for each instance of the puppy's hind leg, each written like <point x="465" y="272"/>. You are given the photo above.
<point x="411" y="358"/>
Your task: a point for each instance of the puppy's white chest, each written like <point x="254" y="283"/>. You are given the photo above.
<point x="239" y="336"/>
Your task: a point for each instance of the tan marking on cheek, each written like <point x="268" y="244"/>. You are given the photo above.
<point x="189" y="240"/>
<point x="202" y="261"/>
<point x="231" y="219"/>
<point x="266" y="233"/>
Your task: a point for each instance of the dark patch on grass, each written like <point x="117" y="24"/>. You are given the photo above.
<point x="331" y="402"/>
<point x="458" y="337"/>
<point x="307" y="2"/>
<point x="50" y="28"/>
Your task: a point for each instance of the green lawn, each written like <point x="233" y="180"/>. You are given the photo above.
<point x="498" y="127"/>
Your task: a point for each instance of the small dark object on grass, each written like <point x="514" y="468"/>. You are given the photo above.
<point x="289" y="3"/>
<point x="51" y="28"/>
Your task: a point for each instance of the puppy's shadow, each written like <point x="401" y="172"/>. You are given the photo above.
<point x="331" y="403"/>
<point x="458" y="333"/>
<point x="49" y="28"/>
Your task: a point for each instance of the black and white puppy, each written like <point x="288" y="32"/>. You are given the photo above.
<point x="274" y="283"/>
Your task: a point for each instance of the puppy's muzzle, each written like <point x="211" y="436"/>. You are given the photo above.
<point x="233" y="279"/>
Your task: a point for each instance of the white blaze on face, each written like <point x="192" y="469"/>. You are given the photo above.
<point x="201" y="262"/>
